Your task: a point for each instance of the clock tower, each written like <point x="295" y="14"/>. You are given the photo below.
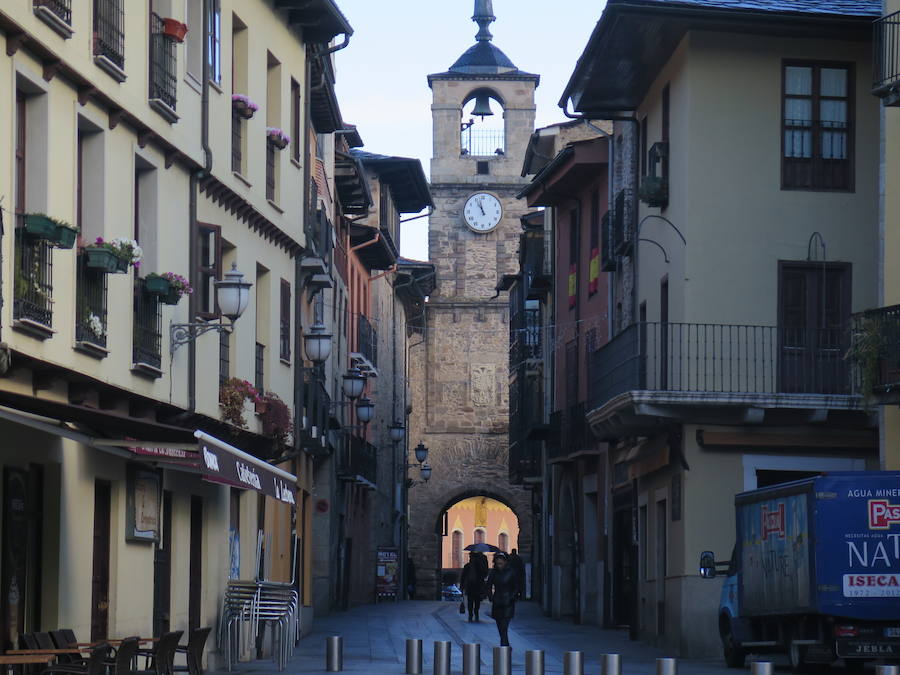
<point x="459" y="372"/>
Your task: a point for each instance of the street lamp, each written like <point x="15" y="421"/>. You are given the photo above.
<point x="365" y="409"/>
<point x="421" y="453"/>
<point x="354" y="383"/>
<point x="397" y="431"/>
<point x="426" y="472"/>
<point x="232" y="298"/>
<point x="317" y="343"/>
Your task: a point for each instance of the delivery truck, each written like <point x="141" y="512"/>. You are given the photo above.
<point x="815" y="571"/>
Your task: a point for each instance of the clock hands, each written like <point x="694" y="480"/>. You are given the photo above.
<point x="481" y="206"/>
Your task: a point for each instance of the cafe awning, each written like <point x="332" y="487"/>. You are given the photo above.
<point x="225" y="464"/>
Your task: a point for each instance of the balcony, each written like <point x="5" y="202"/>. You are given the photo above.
<point x="886" y="68"/>
<point x="483" y="142"/>
<point x="527" y="427"/>
<point x="33" y="288"/>
<point x="358" y="462"/>
<point x="720" y="373"/>
<point x="316" y="413"/>
<point x="147" y="335"/>
<point x="876" y="352"/>
<point x="163" y="70"/>
<point x="365" y="357"/>
<point x="57" y="14"/>
<point x="109" y="38"/>
<point x="90" y="309"/>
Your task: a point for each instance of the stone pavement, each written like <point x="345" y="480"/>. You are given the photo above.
<point x="375" y="642"/>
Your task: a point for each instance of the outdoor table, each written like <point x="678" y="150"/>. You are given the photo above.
<point x="24" y="659"/>
<point x="41" y="652"/>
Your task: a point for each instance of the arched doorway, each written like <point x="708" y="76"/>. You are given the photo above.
<point x="475" y="520"/>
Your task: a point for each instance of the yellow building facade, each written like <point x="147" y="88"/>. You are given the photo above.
<point x="175" y="157"/>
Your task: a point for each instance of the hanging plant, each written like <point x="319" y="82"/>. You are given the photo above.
<point x="277" y="137"/>
<point x="232" y="394"/>
<point x="243" y="106"/>
<point x="868" y="348"/>
<point x="276" y="418"/>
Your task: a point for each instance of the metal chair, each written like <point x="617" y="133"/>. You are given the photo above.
<point x="92" y="666"/>
<point x="65" y="639"/>
<point x="161" y="659"/>
<point x="128" y="648"/>
<point x="193" y="651"/>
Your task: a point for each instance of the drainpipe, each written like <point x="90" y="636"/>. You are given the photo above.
<point x="389" y="270"/>
<point x="194" y="187"/>
<point x="377" y="238"/>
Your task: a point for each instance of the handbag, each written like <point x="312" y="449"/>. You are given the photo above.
<point x="462" y="607"/>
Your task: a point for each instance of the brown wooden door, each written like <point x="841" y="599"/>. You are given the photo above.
<point x="100" y="574"/>
<point x="162" y="571"/>
<point x="814" y="309"/>
<point x="195" y="572"/>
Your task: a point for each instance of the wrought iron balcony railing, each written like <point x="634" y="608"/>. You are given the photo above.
<point x="725" y="359"/>
<point x="886" y="57"/>
<point x="483" y="142"/>
<point x="358" y="461"/>
<point x="317" y="406"/>
<point x="875" y="349"/>
<point x="147" y="336"/>
<point x="367" y="341"/>
<point x="163" y="64"/>
<point x="90" y="305"/>
<point x="62" y="9"/>
<point x="109" y="31"/>
<point x="33" y="287"/>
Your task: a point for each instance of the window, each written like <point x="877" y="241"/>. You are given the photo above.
<point x="482" y="168"/>
<point x="237" y="141"/>
<point x="503" y="542"/>
<point x="270" y="172"/>
<point x="147" y="334"/>
<point x="479" y="536"/>
<point x="214" y="38"/>
<point x="285" y="321"/>
<point x="296" y="114"/>
<point x="224" y="357"/>
<point x="109" y="36"/>
<point x="456" y="550"/>
<point x="193" y="42"/>
<point x="210" y="269"/>
<point x="259" y="380"/>
<point x="817" y="133"/>
<point x="594" y="267"/>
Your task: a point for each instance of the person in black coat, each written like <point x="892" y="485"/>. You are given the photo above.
<point x="502" y="590"/>
<point x="472" y="583"/>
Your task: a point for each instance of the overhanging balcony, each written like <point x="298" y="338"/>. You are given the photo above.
<point x="365" y="356"/>
<point x="358" y="462"/>
<point x="652" y="374"/>
<point x="886" y="66"/>
<point x="876" y="352"/>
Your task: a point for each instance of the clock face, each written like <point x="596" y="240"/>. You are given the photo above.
<point x="482" y="212"/>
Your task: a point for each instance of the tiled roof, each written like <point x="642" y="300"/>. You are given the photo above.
<point x="837" y="7"/>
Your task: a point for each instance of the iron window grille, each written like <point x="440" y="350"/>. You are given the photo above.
<point x="224" y="358"/>
<point x="90" y="305"/>
<point x="33" y="292"/>
<point x="270" y="172"/>
<point x="285" y="322"/>
<point x="237" y="133"/>
<point x="163" y="64"/>
<point x="259" y="380"/>
<point x="147" y="347"/>
<point x="109" y="31"/>
<point x="61" y="8"/>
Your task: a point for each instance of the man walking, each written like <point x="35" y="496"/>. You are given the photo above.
<point x="472" y="582"/>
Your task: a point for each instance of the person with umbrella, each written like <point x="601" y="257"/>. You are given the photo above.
<point x="473" y="574"/>
<point x="502" y="591"/>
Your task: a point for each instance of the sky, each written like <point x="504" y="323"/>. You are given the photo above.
<point x="382" y="81"/>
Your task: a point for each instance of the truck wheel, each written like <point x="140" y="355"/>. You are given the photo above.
<point x="797" y="654"/>
<point x="734" y="654"/>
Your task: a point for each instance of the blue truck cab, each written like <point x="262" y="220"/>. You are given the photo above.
<point x="815" y="571"/>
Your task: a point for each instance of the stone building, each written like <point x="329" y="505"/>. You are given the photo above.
<point x="459" y="370"/>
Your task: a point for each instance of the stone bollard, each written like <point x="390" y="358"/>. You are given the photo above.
<point x="334" y="654"/>
<point x="534" y="662"/>
<point x="441" y="657"/>
<point x="573" y="663"/>
<point x="611" y="664"/>
<point x="413" y="656"/>
<point x="761" y="668"/>
<point x="471" y="659"/>
<point x="666" y="667"/>
<point x="502" y="660"/>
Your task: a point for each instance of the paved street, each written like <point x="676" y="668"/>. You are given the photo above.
<point x="375" y="638"/>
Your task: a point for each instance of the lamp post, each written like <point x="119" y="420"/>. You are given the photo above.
<point x="397" y="431"/>
<point x="317" y="344"/>
<point x="232" y="298"/>
<point x="421" y="453"/>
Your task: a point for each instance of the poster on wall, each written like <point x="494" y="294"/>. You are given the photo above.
<point x="387" y="575"/>
<point x="143" y="494"/>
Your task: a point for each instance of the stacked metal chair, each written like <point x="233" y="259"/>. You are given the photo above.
<point x="248" y="608"/>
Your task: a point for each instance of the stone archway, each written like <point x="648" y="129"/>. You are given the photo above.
<point x="426" y="521"/>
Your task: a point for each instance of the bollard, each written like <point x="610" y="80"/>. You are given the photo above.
<point x="611" y="664"/>
<point x="441" y="657"/>
<point x="573" y="663"/>
<point x="502" y="660"/>
<point x="534" y="662"/>
<point x="666" y="667"/>
<point x="471" y="659"/>
<point x="887" y="670"/>
<point x="334" y="654"/>
<point x="761" y="668"/>
<point x="413" y="656"/>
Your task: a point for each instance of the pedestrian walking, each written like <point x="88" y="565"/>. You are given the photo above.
<point x="516" y="563"/>
<point x="502" y="590"/>
<point x="472" y="582"/>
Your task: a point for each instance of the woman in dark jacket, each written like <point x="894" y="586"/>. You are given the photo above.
<point x="472" y="582"/>
<point x="503" y="590"/>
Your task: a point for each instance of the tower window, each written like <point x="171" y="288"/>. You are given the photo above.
<point x="483" y="168"/>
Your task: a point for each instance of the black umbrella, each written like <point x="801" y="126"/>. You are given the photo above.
<point x="482" y="548"/>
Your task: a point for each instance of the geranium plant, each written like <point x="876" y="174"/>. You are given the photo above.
<point x="123" y="248"/>
<point x="277" y="137"/>
<point x="232" y="395"/>
<point x="178" y="283"/>
<point x="276" y="418"/>
<point x="243" y="105"/>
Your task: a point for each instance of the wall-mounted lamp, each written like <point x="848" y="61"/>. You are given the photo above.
<point x="397" y="431"/>
<point x="317" y="344"/>
<point x="354" y="383"/>
<point x="232" y="298"/>
<point x="365" y="410"/>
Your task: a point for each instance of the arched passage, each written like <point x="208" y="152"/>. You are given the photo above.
<point x="475" y="520"/>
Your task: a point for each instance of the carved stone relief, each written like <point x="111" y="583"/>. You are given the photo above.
<point x="484" y="388"/>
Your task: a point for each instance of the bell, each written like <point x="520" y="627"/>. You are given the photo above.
<point x="482" y="106"/>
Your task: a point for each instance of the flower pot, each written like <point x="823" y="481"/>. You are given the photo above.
<point x="243" y="109"/>
<point x="171" y="298"/>
<point x="40" y="226"/>
<point x="65" y="236"/>
<point x="174" y="29"/>
<point x="103" y="259"/>
<point x="157" y="286"/>
<point x="278" y="142"/>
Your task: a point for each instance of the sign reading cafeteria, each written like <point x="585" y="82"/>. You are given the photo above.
<point x="223" y="463"/>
